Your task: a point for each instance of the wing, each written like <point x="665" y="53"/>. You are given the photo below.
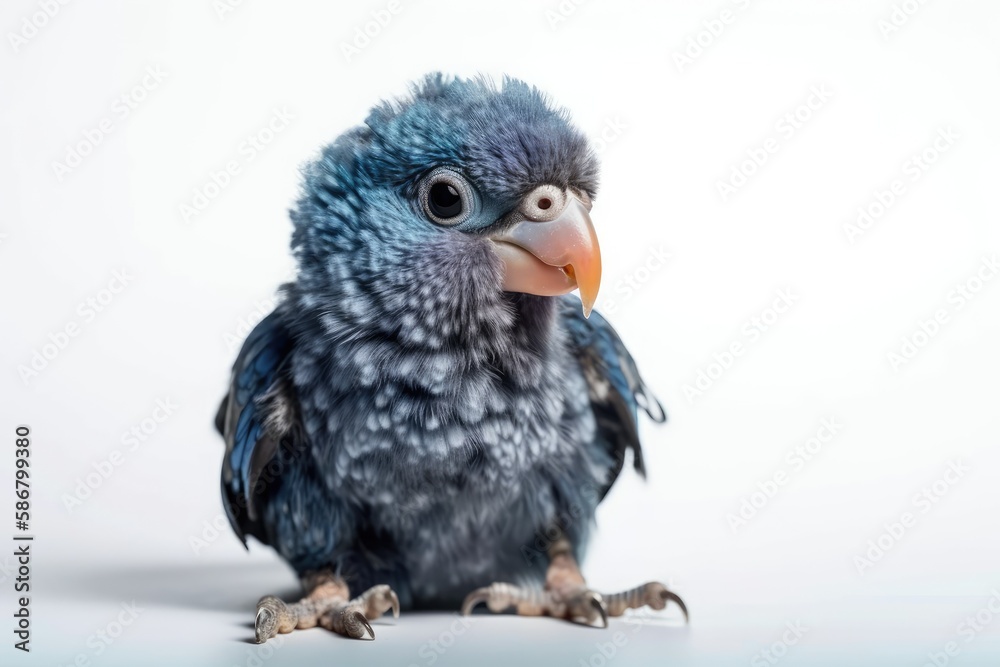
<point x="257" y="416"/>
<point x="617" y="392"/>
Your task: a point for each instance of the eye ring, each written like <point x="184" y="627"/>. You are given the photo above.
<point x="447" y="198"/>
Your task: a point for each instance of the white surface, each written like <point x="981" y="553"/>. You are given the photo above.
<point x="669" y="137"/>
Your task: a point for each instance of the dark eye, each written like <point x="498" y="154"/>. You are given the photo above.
<point x="444" y="201"/>
<point x="446" y="197"/>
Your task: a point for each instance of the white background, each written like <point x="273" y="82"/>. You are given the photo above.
<point x="672" y="131"/>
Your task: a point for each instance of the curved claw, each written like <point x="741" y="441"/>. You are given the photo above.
<point x="586" y="607"/>
<point x="598" y="603"/>
<point x="394" y="599"/>
<point x="473" y="599"/>
<point x="670" y="595"/>
<point x="360" y="619"/>
<point x="653" y="593"/>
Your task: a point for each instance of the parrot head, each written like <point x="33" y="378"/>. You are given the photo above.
<point x="461" y="196"/>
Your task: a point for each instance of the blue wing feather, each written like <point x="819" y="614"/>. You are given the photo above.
<point x="617" y="391"/>
<point x="242" y="418"/>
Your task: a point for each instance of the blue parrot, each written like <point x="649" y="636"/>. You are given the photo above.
<point x="429" y="419"/>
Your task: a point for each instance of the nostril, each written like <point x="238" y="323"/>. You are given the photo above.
<point x="545" y="203"/>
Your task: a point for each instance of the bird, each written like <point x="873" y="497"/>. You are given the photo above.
<point x="430" y="416"/>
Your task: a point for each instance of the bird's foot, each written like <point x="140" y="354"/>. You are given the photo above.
<point x="327" y="606"/>
<point x="578" y="604"/>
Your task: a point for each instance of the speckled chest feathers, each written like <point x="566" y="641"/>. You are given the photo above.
<point x="451" y="428"/>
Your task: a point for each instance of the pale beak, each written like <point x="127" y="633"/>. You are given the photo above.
<point x="551" y="248"/>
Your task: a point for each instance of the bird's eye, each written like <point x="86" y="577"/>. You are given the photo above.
<point x="447" y="198"/>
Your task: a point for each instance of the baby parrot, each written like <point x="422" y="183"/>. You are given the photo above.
<point x="429" y="419"/>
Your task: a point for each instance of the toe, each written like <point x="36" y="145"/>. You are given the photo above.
<point x="653" y="593"/>
<point x="265" y="625"/>
<point x="270" y="613"/>
<point x="348" y="621"/>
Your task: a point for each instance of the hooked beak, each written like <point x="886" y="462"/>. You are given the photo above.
<point x="552" y="248"/>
